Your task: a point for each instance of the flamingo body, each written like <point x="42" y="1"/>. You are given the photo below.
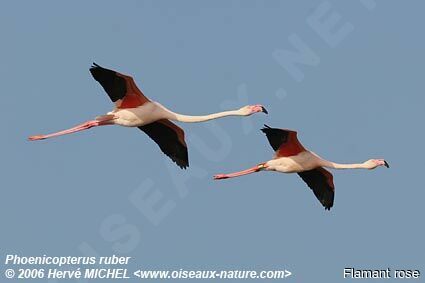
<point x="291" y="156"/>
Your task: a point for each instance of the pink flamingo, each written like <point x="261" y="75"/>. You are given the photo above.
<point x="292" y="157"/>
<point x="133" y="109"/>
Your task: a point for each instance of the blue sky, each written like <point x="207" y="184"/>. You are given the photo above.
<point x="360" y="96"/>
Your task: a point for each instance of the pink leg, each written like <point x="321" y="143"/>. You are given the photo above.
<point x="81" y="127"/>
<point x="254" y="169"/>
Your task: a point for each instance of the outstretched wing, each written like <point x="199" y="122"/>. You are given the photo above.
<point x="321" y="182"/>
<point x="170" y="139"/>
<point x="120" y="88"/>
<point x="284" y="142"/>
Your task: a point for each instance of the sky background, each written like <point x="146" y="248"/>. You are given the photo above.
<point x="358" y="94"/>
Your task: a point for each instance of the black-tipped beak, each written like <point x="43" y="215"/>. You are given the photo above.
<point x="386" y="164"/>
<point x="264" y="110"/>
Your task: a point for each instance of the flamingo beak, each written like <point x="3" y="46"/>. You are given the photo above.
<point x="386" y="164"/>
<point x="264" y="110"/>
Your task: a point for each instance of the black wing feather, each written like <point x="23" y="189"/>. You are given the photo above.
<point x="320" y="184"/>
<point x="168" y="141"/>
<point x="275" y="136"/>
<point x="114" y="85"/>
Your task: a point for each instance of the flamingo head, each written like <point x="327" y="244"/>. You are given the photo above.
<point x="252" y="109"/>
<point x="374" y="163"/>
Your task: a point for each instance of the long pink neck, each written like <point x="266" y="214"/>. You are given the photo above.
<point x="203" y="118"/>
<point x="334" y="165"/>
<point x="168" y="114"/>
<point x="240" y="173"/>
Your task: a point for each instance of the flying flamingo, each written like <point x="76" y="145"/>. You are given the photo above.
<point x="292" y="157"/>
<point x="133" y="109"/>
